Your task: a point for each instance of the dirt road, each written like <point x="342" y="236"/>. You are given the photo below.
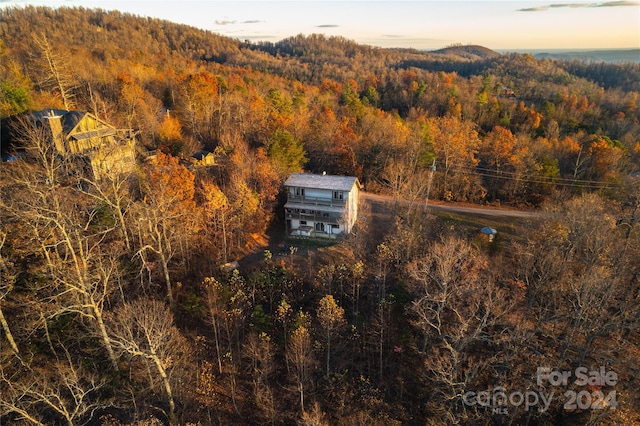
<point x="455" y="208"/>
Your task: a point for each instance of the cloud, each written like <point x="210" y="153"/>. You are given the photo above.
<point x="571" y="5"/>
<point x="219" y="22"/>
<point x="534" y="9"/>
<point x="555" y="6"/>
<point x="255" y="21"/>
<point x="616" y="3"/>
<point x="327" y="26"/>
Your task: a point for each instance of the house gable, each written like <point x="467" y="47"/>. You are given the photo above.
<point x="83" y="123"/>
<point x="88" y="132"/>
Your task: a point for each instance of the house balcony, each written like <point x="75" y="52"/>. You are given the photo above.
<point x="331" y="219"/>
<point x="309" y="232"/>
<point x="316" y="201"/>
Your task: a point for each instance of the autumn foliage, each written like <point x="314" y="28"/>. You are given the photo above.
<point x="119" y="301"/>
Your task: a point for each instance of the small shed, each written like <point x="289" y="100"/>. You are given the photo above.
<point x="489" y="232"/>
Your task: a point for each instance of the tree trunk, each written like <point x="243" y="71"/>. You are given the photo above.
<point x="125" y="234"/>
<point x="7" y="332"/>
<point x="167" y="279"/>
<point x="224" y="238"/>
<point x="328" y="351"/>
<point x="381" y="346"/>
<point x="55" y="70"/>
<point x="216" y="334"/>
<point x="167" y="387"/>
<point x="105" y="336"/>
<point x="301" y="390"/>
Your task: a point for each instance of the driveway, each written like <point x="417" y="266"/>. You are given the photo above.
<point x="457" y="208"/>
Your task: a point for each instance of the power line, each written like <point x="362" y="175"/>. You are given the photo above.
<point x="595" y="182"/>
<point x="587" y="184"/>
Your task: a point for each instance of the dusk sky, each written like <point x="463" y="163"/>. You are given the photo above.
<point x="498" y="25"/>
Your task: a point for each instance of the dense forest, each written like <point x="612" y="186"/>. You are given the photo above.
<point x="113" y="306"/>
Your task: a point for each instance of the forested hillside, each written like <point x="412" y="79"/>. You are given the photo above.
<point x="114" y="309"/>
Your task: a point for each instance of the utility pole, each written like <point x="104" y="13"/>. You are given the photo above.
<point x="431" y="172"/>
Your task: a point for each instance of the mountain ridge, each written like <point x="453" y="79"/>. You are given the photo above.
<point x="593" y="55"/>
<point x="473" y="52"/>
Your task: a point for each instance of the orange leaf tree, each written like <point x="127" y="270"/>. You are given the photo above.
<point x="166" y="214"/>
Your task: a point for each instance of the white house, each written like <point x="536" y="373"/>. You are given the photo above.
<point x="321" y="205"/>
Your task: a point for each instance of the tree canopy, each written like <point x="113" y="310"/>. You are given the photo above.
<point x="120" y="299"/>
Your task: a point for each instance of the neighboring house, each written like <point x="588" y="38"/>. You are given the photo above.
<point x="507" y="92"/>
<point x="82" y="135"/>
<point x="321" y="205"/>
<point x="203" y="158"/>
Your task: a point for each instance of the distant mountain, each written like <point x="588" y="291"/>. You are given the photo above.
<point x="471" y="52"/>
<point x="97" y="39"/>
<point x="610" y="56"/>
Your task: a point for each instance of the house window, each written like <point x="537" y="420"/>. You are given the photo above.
<point x="300" y="192"/>
<point x="320" y="227"/>
<point x="303" y="222"/>
<point x="338" y="195"/>
<point x="325" y="214"/>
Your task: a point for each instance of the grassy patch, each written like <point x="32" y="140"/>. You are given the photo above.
<point x="309" y="242"/>
<point x="509" y="228"/>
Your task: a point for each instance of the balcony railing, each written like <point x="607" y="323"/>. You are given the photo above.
<point x="332" y="219"/>
<point x="316" y="201"/>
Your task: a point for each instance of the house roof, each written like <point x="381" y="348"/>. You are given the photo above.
<point x="94" y="133"/>
<point x="69" y="120"/>
<point x="308" y="180"/>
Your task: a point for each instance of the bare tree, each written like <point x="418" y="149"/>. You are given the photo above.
<point x="331" y="317"/>
<point x="144" y="330"/>
<point x="157" y="236"/>
<point x="408" y="179"/>
<point x="81" y="263"/>
<point x="598" y="290"/>
<point x="80" y="255"/>
<point x="456" y="305"/>
<point x="67" y="392"/>
<point x="7" y="280"/>
<point x="44" y="163"/>
<point x="299" y="355"/>
<point x="227" y="306"/>
<point x="57" y="75"/>
<point x="259" y="350"/>
<point x="215" y="306"/>
<point x="541" y="261"/>
<point x="114" y="192"/>
<point x="439" y="279"/>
